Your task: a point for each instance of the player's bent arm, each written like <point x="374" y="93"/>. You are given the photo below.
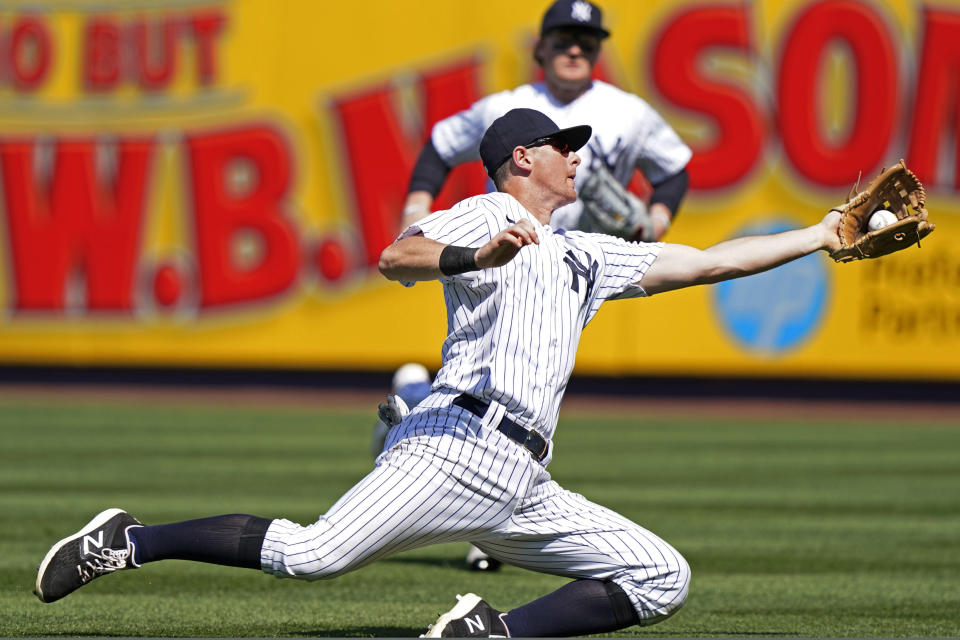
<point x="679" y="266"/>
<point x="412" y="259"/>
<point x="416" y="258"/>
<point x="665" y="201"/>
<point x="428" y="177"/>
<point x="416" y="207"/>
<point x="662" y="219"/>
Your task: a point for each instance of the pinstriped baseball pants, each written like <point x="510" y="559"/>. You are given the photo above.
<point x="448" y="477"/>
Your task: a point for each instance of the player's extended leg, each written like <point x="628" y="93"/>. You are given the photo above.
<point x="115" y="540"/>
<point x="625" y="574"/>
<point x="423" y="491"/>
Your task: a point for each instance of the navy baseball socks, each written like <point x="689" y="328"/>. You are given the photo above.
<point x="115" y="540"/>
<point x="578" y="608"/>
<point x="233" y="540"/>
<point x="581" y="607"/>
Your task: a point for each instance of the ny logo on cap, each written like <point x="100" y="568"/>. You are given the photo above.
<point x="581" y="11"/>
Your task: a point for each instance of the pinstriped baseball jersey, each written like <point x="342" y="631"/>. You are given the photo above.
<point x="628" y="134"/>
<point x="512" y="332"/>
<point x="449" y="474"/>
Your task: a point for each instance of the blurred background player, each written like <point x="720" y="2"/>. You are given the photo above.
<point x="411" y="383"/>
<point x="628" y="135"/>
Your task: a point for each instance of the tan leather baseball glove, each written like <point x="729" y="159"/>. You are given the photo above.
<point x="896" y="190"/>
<point x="609" y="208"/>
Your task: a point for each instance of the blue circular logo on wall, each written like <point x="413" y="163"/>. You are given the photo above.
<point x="776" y="310"/>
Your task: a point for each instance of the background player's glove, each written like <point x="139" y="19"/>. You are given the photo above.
<point x="896" y="190"/>
<point x="390" y="414"/>
<point x="609" y="208"/>
<point x="393" y="411"/>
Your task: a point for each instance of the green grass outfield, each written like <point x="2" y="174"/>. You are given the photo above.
<point x="793" y="527"/>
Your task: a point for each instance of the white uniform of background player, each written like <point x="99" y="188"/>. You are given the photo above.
<point x="628" y="134"/>
<point x="469" y="463"/>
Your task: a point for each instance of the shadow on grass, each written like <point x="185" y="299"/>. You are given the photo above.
<point x="362" y="632"/>
<point x="433" y="561"/>
<point x="762" y="634"/>
<point x="88" y="634"/>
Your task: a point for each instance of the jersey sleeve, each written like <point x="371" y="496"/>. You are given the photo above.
<point x="624" y="265"/>
<point x="457" y="138"/>
<point x="465" y="225"/>
<point x="662" y="153"/>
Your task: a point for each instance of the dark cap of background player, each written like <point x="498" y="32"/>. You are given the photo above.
<point x="520" y="128"/>
<point x="573" y="13"/>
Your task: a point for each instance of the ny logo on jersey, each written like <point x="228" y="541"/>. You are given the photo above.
<point x="476" y="622"/>
<point x="579" y="270"/>
<point x="88" y="540"/>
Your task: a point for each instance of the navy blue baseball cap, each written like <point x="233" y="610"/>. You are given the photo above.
<point x="574" y="13"/>
<point x="522" y="127"/>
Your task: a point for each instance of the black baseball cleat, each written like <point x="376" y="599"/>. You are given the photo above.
<point x="470" y="618"/>
<point x="102" y="546"/>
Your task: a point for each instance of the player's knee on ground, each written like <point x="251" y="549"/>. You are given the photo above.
<point x="315" y="552"/>
<point x="657" y="597"/>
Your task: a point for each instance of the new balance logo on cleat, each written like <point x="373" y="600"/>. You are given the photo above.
<point x="88" y="541"/>
<point x="470" y="618"/>
<point x="101" y="547"/>
<point x="474" y="625"/>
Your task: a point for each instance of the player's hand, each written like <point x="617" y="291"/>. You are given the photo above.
<point x="504" y="247"/>
<point x="661" y="221"/>
<point x="829" y="227"/>
<point x="416" y="208"/>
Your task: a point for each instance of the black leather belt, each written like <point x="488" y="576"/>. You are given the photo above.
<point x="530" y="440"/>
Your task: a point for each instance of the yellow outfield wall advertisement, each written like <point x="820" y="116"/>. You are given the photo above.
<point x="211" y="183"/>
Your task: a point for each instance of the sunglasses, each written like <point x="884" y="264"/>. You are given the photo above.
<point x="562" y="146"/>
<point x="588" y="43"/>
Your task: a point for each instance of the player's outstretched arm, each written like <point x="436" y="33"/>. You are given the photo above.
<point x="418" y="258"/>
<point x="680" y="266"/>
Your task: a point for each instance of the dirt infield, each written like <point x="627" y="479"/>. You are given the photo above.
<point x="752" y="408"/>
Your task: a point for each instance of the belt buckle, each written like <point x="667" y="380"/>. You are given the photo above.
<point x="528" y="443"/>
